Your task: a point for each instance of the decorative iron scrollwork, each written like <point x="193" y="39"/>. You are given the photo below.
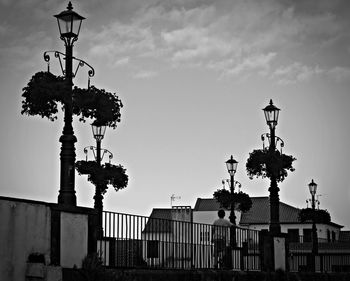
<point x="94" y="152"/>
<point x="60" y="56"/>
<point x="278" y="141"/>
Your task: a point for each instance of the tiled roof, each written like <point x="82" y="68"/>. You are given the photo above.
<point x="206" y="204"/>
<point x="259" y="213"/>
<point x="159" y="221"/>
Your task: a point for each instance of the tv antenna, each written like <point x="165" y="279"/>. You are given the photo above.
<point x="173" y="198"/>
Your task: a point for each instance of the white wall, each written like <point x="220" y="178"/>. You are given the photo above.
<point x="321" y="228"/>
<point x="74" y="239"/>
<point x="24" y="229"/>
<point x="209" y="217"/>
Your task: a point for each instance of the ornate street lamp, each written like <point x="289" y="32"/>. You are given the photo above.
<point x="231" y="165"/>
<point x="313" y="189"/>
<point x="271" y="115"/>
<point x="69" y="23"/>
<point x="98" y="133"/>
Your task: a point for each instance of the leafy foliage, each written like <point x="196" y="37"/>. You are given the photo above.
<point x="45" y="90"/>
<point x="97" y="104"/>
<point x="104" y="175"/>
<point x="224" y="197"/>
<point x="264" y="163"/>
<point x="321" y="216"/>
<point x="42" y="93"/>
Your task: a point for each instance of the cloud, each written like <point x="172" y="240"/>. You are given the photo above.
<point x="259" y="62"/>
<point x="145" y="74"/>
<point x="230" y="37"/>
<point x="120" y="38"/>
<point x="122" y="62"/>
<point x="339" y="73"/>
<point x="298" y="72"/>
<point x="192" y="43"/>
<point x="295" y="72"/>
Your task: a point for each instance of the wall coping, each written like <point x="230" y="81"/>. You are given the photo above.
<point x="53" y="206"/>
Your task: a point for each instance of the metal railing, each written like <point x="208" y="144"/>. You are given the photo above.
<point x="324" y="262"/>
<point x="332" y="256"/>
<point x="132" y="241"/>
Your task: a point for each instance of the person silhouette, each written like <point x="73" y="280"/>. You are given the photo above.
<point x="220" y="236"/>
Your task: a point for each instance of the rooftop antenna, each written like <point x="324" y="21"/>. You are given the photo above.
<point x="172" y="199"/>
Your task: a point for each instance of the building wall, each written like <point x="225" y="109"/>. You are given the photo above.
<point x="60" y="233"/>
<point x="158" y="248"/>
<point x="24" y="229"/>
<point x="209" y="217"/>
<point x="321" y="229"/>
<point x="74" y="239"/>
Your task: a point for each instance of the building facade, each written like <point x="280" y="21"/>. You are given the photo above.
<point x="258" y="217"/>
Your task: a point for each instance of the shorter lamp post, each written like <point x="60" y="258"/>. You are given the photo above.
<point x="313" y="189"/>
<point x="231" y="165"/>
<point x="98" y="133"/>
<point x="271" y="115"/>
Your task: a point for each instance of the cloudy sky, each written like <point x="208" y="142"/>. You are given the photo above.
<point x="193" y="76"/>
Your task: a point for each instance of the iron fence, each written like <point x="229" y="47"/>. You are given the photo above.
<point x="132" y="241"/>
<point x="331" y="256"/>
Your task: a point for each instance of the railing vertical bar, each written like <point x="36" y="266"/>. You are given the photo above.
<point x="171" y="244"/>
<point x="104" y="247"/>
<point x="109" y="240"/>
<point x="122" y="238"/>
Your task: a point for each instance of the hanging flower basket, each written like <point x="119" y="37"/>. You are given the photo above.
<point x="241" y="199"/>
<point x="321" y="216"/>
<point x="264" y="163"/>
<point x="104" y="175"/>
<point x="45" y="91"/>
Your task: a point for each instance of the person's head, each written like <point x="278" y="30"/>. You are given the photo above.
<point x="221" y="213"/>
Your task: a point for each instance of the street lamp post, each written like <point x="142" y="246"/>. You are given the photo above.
<point x="313" y="189"/>
<point x="231" y="165"/>
<point x="271" y="115"/>
<point x="69" y="23"/>
<point x="98" y="133"/>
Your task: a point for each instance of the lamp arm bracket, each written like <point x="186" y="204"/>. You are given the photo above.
<point x="228" y="182"/>
<point x="93" y="149"/>
<point x="81" y="63"/>
<point x="278" y="140"/>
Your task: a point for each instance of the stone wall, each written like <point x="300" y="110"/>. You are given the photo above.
<point x="24" y="229"/>
<point x="63" y="235"/>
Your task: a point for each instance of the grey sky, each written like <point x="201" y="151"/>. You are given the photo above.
<point x="193" y="76"/>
